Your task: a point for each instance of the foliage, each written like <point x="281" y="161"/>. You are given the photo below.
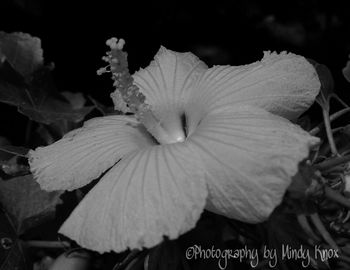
<point x="28" y="204"/>
<point x="25" y="82"/>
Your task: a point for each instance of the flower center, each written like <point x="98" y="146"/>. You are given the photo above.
<point x="170" y="129"/>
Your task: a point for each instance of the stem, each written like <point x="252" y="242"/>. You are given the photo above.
<point x="333" y="117"/>
<point x="337" y="197"/>
<point x="339" y="100"/>
<point x="332" y="162"/>
<point x="327" y="124"/>
<point x="334" y="130"/>
<point x="336" y="115"/>
<point x="47" y="244"/>
<point x="146" y="262"/>
<point x="128" y="259"/>
<point x="346" y="152"/>
<point x="323" y="231"/>
<point x="304" y="223"/>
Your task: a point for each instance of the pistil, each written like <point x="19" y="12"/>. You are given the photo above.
<point x="128" y="98"/>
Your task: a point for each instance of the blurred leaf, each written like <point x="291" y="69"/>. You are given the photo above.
<point x="14" y="166"/>
<point x="33" y="7"/>
<point x="39" y="101"/>
<point x="346" y="71"/>
<point x="327" y="84"/>
<point x="76" y="100"/>
<point x="29" y="85"/>
<point x="22" y="51"/>
<point x="46" y="116"/>
<point x="290" y="32"/>
<point x="11" y="255"/>
<point x="23" y="199"/>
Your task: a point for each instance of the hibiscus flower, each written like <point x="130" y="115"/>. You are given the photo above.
<point x="214" y="138"/>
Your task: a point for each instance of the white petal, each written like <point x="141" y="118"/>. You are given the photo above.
<point x="250" y="156"/>
<point x="84" y="154"/>
<point x="168" y="80"/>
<point x="157" y="192"/>
<point x="284" y="84"/>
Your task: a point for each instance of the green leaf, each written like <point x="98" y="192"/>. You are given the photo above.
<point x="22" y="51"/>
<point x="26" y="203"/>
<point x="11" y="255"/>
<point x="39" y="100"/>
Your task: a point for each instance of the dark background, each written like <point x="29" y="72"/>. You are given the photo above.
<point x="73" y="35"/>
